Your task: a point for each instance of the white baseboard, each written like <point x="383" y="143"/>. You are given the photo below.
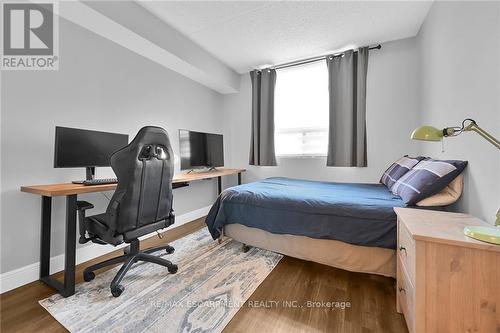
<point x="24" y="275"/>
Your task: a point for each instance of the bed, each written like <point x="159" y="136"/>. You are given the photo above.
<point x="346" y="225"/>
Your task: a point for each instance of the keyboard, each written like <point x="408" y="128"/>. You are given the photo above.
<point x="100" y="181"/>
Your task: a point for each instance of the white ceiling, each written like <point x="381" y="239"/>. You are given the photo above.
<point x="245" y="35"/>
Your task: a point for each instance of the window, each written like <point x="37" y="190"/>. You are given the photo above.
<point x="301" y="110"/>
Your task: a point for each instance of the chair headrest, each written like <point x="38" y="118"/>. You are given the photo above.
<point x="150" y="142"/>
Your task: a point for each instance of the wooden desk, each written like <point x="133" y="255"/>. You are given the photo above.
<point x="71" y="191"/>
<point x="64" y="189"/>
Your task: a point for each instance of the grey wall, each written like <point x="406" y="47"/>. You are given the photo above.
<point x="459" y="52"/>
<point x="101" y="86"/>
<point x="392" y="105"/>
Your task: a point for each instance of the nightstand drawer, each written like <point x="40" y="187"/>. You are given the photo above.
<point x="406" y="250"/>
<point x="406" y="297"/>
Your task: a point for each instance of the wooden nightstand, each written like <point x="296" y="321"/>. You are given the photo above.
<point x="446" y="281"/>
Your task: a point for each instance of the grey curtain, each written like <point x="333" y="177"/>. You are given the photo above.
<point x="262" y="141"/>
<point x="347" y="89"/>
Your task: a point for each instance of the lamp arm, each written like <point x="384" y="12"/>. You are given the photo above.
<point x="490" y="138"/>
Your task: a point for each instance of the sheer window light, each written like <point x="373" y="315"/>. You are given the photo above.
<point x="301" y="110"/>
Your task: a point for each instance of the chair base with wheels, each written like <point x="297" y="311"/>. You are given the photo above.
<point x="132" y="253"/>
<point x="131" y="256"/>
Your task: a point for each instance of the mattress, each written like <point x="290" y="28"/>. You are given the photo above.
<point x="359" y="214"/>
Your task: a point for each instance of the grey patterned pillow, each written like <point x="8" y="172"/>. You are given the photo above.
<point x="426" y="178"/>
<point x="398" y="169"/>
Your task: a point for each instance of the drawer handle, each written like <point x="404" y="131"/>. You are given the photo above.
<point x="402" y="290"/>
<point x="402" y="248"/>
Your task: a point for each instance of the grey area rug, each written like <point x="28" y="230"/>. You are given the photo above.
<point x="213" y="282"/>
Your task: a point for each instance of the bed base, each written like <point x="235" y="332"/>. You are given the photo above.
<point x="363" y="259"/>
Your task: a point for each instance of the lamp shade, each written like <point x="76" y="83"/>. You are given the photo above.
<point x="427" y="133"/>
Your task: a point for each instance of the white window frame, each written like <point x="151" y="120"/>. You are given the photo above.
<point x="303" y="130"/>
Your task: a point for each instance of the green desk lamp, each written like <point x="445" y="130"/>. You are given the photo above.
<point x="429" y="133"/>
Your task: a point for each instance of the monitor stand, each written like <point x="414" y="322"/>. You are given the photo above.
<point x="90" y="174"/>
<point x="202" y="170"/>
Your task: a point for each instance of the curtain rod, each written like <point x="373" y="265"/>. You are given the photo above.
<point x="314" y="59"/>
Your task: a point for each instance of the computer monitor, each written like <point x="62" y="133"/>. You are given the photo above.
<point x="198" y="150"/>
<point x="76" y="148"/>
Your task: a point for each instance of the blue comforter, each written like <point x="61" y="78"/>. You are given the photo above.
<point x="360" y="214"/>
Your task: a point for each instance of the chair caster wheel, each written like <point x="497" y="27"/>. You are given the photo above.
<point x="88" y="276"/>
<point x="170" y="250"/>
<point x="117" y="291"/>
<point x="173" y="269"/>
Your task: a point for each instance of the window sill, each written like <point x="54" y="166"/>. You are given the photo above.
<point x="299" y="156"/>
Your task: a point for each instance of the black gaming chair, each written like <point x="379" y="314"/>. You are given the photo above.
<point x="141" y="204"/>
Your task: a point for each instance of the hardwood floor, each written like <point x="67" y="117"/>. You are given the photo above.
<point x="280" y="303"/>
<point x="372" y="301"/>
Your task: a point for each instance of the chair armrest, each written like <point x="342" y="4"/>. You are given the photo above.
<point x="83" y="205"/>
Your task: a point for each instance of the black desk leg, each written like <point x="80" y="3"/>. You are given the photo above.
<point x="45" y="237"/>
<point x="239" y="178"/>
<point x="219" y="185"/>
<point x="70" y="248"/>
<point x="68" y="287"/>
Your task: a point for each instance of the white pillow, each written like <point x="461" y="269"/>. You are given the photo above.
<point x="447" y="196"/>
